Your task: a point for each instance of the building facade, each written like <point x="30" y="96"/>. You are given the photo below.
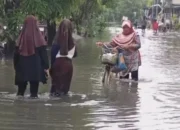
<point x="172" y="7"/>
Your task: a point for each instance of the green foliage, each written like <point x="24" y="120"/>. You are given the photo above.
<point x="49" y="9"/>
<point x="149" y="3"/>
<point x="13" y="26"/>
<point x="126" y="8"/>
<point x="95" y="26"/>
<point x="11" y="19"/>
<point x="176" y="22"/>
<point x="43" y="9"/>
<point x="175" y="18"/>
<point x="90" y="16"/>
<point x="177" y="26"/>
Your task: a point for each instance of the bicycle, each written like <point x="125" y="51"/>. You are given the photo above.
<point x="108" y="70"/>
<point x="111" y="68"/>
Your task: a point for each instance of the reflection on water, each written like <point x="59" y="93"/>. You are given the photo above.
<point x="150" y="104"/>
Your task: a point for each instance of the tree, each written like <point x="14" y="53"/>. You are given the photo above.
<point x="10" y="16"/>
<point x="88" y="16"/>
<point x="14" y="11"/>
<point x="48" y="10"/>
<point x="127" y="8"/>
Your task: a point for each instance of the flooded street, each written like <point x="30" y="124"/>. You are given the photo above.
<point x="152" y="105"/>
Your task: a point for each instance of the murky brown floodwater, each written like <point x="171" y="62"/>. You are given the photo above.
<point x="153" y="105"/>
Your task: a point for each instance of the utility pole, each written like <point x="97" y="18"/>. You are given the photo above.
<point x="156" y="8"/>
<point x="153" y="9"/>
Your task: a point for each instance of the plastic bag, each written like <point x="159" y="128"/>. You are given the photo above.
<point x="109" y="58"/>
<point x="121" y="62"/>
<point x="120" y="65"/>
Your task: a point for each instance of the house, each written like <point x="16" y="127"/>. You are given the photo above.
<point x="171" y="7"/>
<point x="176" y="7"/>
<point x="176" y="2"/>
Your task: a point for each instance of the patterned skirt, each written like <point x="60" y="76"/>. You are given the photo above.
<point x="132" y="60"/>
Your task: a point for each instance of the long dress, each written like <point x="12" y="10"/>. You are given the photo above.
<point x="133" y="58"/>
<point x="31" y="68"/>
<point x="61" y="70"/>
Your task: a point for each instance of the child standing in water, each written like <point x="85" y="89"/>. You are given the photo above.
<point x="155" y="26"/>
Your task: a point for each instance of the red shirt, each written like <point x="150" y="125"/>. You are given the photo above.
<point x="155" y="25"/>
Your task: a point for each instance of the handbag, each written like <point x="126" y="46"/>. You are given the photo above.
<point x="109" y="58"/>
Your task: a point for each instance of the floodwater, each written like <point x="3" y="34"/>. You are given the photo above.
<point x="152" y="104"/>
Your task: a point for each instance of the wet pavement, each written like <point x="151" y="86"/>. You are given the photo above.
<point x="152" y="104"/>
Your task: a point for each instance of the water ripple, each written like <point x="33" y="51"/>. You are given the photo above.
<point x="152" y="103"/>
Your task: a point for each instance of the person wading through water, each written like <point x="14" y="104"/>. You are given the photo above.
<point x="143" y="26"/>
<point x="155" y="26"/>
<point x="30" y="58"/>
<point x="62" y="52"/>
<point x="129" y="43"/>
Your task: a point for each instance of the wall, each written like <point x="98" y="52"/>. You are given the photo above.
<point x="176" y="2"/>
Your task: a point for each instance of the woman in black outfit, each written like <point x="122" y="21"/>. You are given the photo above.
<point x="30" y="58"/>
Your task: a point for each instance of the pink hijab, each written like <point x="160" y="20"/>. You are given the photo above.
<point x="124" y="38"/>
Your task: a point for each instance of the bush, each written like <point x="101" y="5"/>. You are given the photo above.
<point x="177" y="26"/>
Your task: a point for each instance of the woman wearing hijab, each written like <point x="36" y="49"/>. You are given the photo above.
<point x="62" y="52"/>
<point x="130" y="43"/>
<point x="30" y="58"/>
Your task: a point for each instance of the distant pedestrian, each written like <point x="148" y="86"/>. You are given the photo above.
<point x="155" y="26"/>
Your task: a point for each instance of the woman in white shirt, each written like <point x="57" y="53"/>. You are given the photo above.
<point x="62" y="52"/>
